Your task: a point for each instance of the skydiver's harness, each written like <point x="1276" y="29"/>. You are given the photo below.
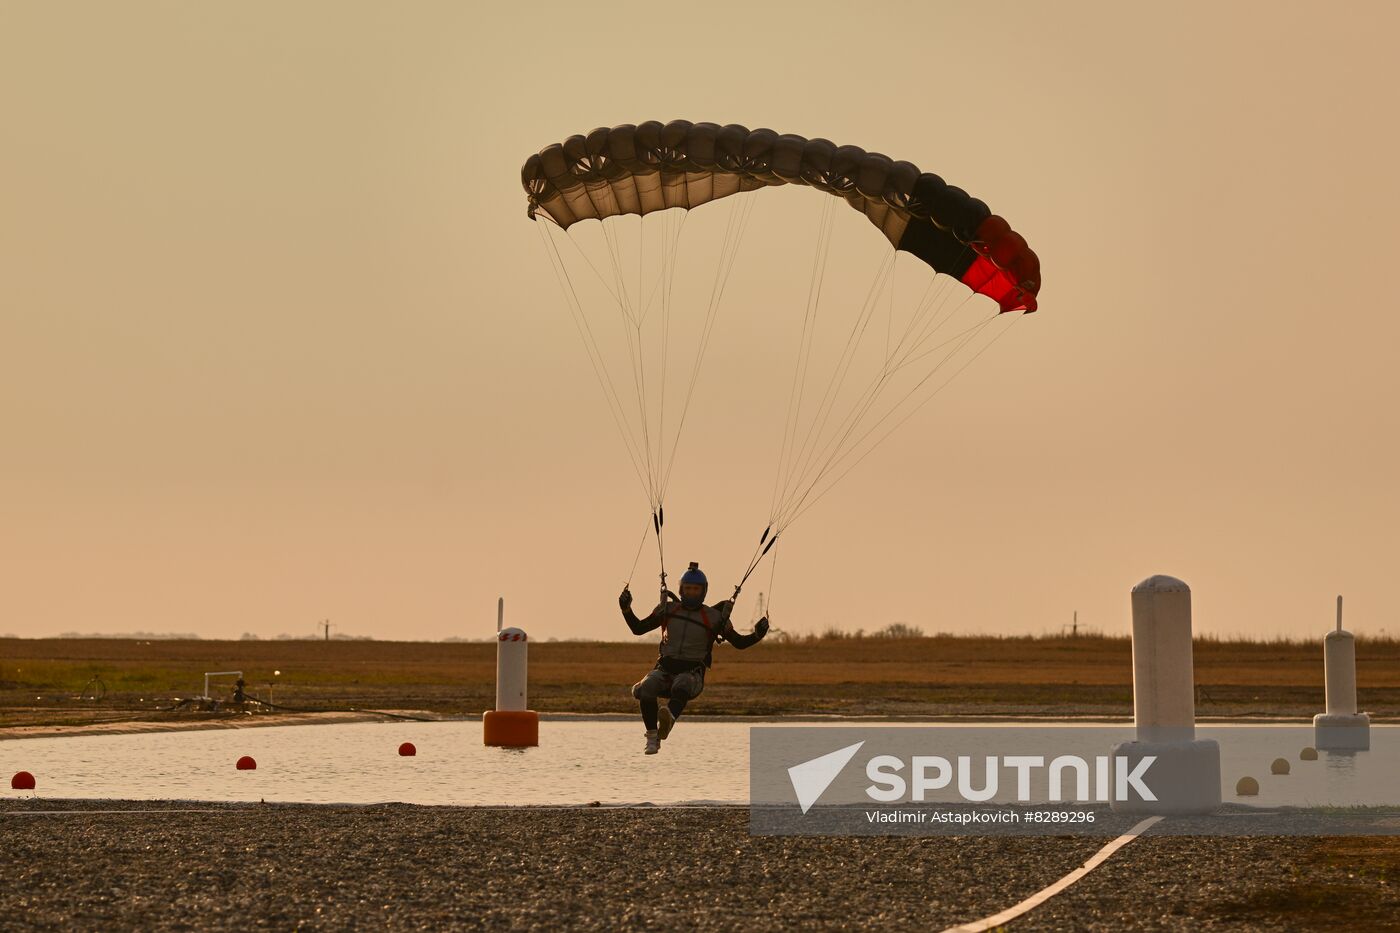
<point x="714" y="630"/>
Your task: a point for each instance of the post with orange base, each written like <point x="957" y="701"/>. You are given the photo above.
<point x="510" y="724"/>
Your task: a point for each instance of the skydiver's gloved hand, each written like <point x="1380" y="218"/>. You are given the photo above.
<point x="670" y="597"/>
<point x="760" y="627"/>
<point x="625" y="599"/>
<point x="725" y="608"/>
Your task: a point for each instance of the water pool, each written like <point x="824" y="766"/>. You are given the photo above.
<point x="578" y="762"/>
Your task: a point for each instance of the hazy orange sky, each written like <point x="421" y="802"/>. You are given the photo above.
<point x="278" y="343"/>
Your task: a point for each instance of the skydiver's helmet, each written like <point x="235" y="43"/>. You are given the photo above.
<point x="694" y="586"/>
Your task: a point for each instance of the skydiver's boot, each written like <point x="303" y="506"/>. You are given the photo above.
<point x="653" y="742"/>
<point x="668" y="714"/>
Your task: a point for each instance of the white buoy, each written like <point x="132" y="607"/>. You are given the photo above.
<point x="511" y="724"/>
<point x="1341" y="728"/>
<point x="1184" y="774"/>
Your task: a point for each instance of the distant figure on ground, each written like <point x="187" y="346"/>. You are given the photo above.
<point x="239" y="696"/>
<point x="689" y="630"/>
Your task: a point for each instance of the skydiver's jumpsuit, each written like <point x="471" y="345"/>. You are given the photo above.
<point x="688" y="638"/>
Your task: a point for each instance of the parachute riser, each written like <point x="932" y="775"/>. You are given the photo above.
<point x="658" y="520"/>
<point x="760" y="552"/>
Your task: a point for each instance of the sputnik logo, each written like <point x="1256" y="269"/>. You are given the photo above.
<point x="811" y="778"/>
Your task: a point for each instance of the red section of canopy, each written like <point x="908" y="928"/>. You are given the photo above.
<point x="1006" y="269"/>
<point x="985" y="278"/>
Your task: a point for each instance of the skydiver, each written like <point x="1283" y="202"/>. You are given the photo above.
<point x="689" y="630"/>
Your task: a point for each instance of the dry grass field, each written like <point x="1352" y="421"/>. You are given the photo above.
<point x="51" y="680"/>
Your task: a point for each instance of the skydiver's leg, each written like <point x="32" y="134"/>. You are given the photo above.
<point x="649" y="711"/>
<point x="655" y="684"/>
<point x="685" y="688"/>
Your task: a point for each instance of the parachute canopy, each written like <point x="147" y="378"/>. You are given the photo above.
<point x="654" y="166"/>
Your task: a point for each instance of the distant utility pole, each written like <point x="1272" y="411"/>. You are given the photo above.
<point x="326" y="625"/>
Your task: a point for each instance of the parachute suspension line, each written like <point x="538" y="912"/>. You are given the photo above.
<point x="935" y="300"/>
<point x="638" y="558"/>
<point x="670" y="247"/>
<point x="929" y="351"/>
<point x="632" y="336"/>
<point x="729" y="251"/>
<point x="800" y="370"/>
<point x="842" y="446"/>
<point x="645" y="442"/>
<point x="870" y="305"/>
<point x="635" y="313"/>
<point x="666" y="283"/>
<point x="889" y="316"/>
<point x="645" y="451"/>
<point x="664" y="327"/>
<point x="545" y="218"/>
<point x="938" y="313"/>
<point x="912" y="411"/>
<point x="804" y="348"/>
<point x="636" y="347"/>
<point x="818" y="458"/>
<point x="800" y="465"/>
<point x="835" y="461"/>
<point x="621" y="293"/>
<point x="789" y="459"/>
<point x="838" y="376"/>
<point x="838" y="445"/>
<point x="590" y="346"/>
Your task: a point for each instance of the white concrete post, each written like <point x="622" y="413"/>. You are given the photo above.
<point x="1183" y="773"/>
<point x="1339" y="657"/>
<point x="1164" y="679"/>
<point x="1341" y="728"/>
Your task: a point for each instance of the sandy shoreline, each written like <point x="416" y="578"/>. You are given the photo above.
<point x="137" y="726"/>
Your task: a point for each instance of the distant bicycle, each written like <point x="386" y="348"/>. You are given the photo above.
<point x="94" y="690"/>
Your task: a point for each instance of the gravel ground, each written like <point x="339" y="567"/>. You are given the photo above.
<point x="1213" y="883"/>
<point x="408" y="867"/>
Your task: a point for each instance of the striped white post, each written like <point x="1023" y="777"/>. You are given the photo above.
<point x="512" y="661"/>
<point x="511" y="724"/>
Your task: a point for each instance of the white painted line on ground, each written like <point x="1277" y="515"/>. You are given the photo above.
<point x="1040" y="897"/>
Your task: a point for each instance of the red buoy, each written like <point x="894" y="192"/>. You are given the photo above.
<point x="407" y="750"/>
<point x="22" y="780"/>
<point x="246" y="763"/>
